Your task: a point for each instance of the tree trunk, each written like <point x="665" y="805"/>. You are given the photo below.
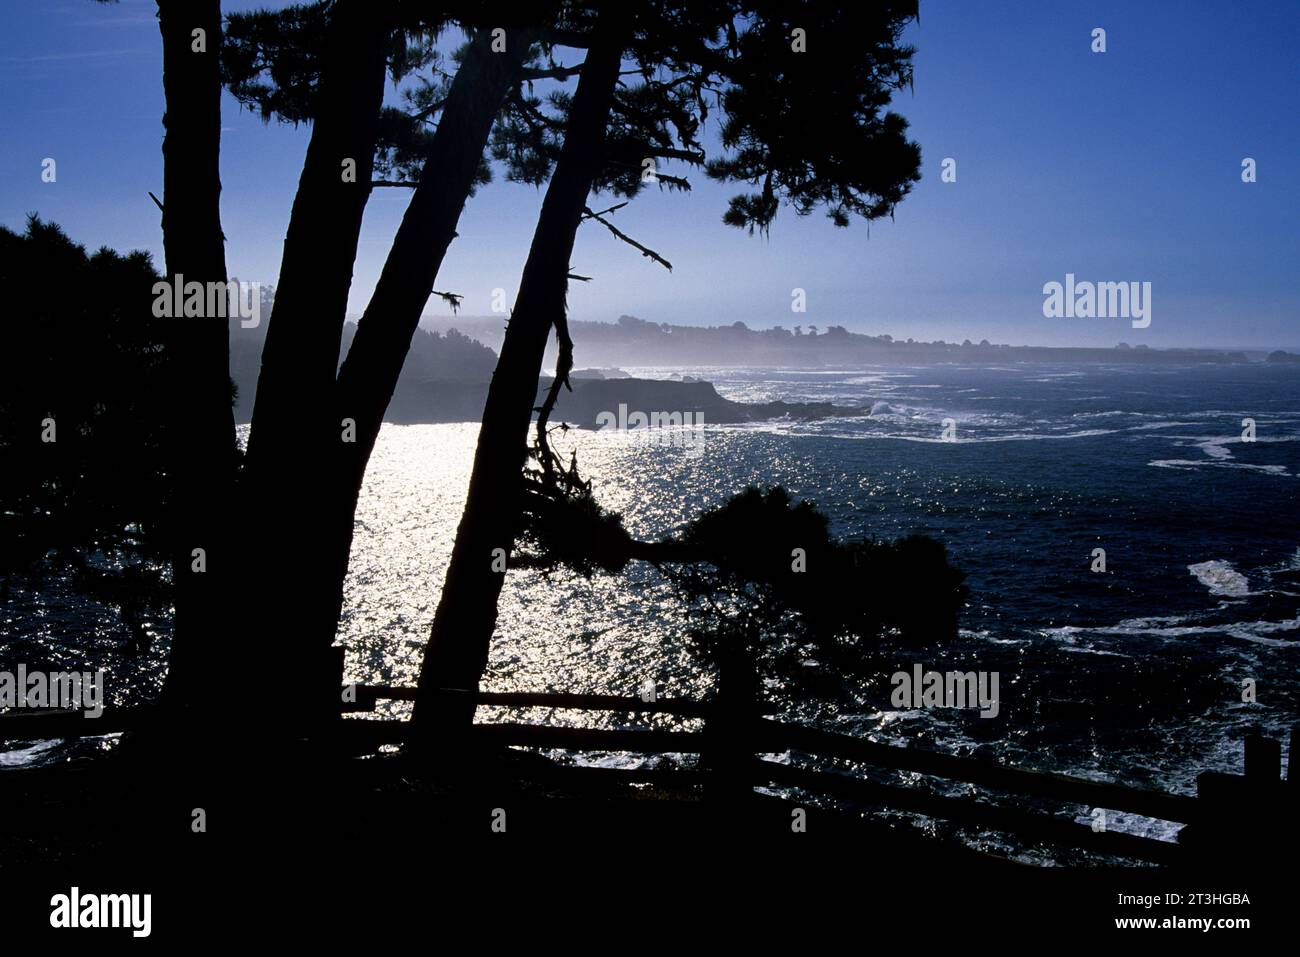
<point x="202" y="423"/>
<point x="463" y="624"/>
<point x="369" y="374"/>
<point x="296" y="428"/>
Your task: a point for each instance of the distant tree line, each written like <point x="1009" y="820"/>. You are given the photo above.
<point x="640" y="342"/>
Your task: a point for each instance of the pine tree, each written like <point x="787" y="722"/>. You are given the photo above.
<point x="683" y="52"/>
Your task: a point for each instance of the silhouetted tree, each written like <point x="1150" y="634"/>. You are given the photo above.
<point x="762" y="582"/>
<point x="85" y="431"/>
<point x="292" y="440"/>
<point x="777" y="588"/>
<point x="450" y="171"/>
<point x="456" y="657"/>
<point x="198" y="347"/>
<point x="813" y="129"/>
<point x="598" y="138"/>
<point x="269" y="69"/>
<point x="300" y="480"/>
<point x="828" y="172"/>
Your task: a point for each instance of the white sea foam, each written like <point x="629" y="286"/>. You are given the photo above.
<point x="1256" y="632"/>
<point x="1216" y="447"/>
<point x="1191" y="465"/>
<point x="865" y="380"/>
<point x="962" y="438"/>
<point x="1220" y="578"/>
<point x="1155" y="621"/>
<point x="17" y="757"/>
<point x="1113" y="412"/>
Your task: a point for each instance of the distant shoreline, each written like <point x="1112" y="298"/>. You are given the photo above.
<point x="637" y="342"/>
<point x="446" y="375"/>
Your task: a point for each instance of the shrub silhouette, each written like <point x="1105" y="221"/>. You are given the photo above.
<point x="775" y="588"/>
<point x="761" y="580"/>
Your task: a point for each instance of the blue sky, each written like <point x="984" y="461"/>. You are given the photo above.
<point x="1115" y="166"/>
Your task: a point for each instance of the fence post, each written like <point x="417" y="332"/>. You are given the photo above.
<point x="1242" y="816"/>
<point x="1263" y="760"/>
<point x="731" y="727"/>
<point x="326" y="714"/>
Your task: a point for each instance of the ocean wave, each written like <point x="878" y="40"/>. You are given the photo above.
<point x="1191" y="465"/>
<point x="1256" y="632"/>
<point x="884" y="409"/>
<point x="1220" y="578"/>
<point x="865" y="380"/>
<point x="29" y="755"/>
<point x="1155" y="621"/>
<point x="1114" y="412"/>
<point x="1011" y="437"/>
<point x="834" y="428"/>
<point x="1216" y="448"/>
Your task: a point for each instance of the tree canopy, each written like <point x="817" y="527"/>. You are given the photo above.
<point x="83" y="433"/>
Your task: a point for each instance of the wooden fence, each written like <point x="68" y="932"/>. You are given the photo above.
<point x="1226" y="810"/>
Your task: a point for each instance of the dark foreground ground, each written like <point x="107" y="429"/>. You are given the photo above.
<point x="303" y="846"/>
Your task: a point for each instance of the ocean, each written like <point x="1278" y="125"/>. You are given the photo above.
<point x="1136" y="674"/>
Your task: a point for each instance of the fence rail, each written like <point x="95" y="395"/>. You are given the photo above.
<point x="743" y="737"/>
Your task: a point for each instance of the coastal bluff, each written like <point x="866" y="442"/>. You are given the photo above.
<point x="445" y="400"/>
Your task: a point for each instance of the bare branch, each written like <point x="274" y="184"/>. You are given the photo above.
<point x="644" y="250"/>
<point x="553" y="73"/>
<point x="679" y="181"/>
<point x="450" y="298"/>
<point x="428" y="111"/>
<point x="549" y="461"/>
<point x="690" y="156"/>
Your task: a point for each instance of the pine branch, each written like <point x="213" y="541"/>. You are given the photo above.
<point x="619" y="234"/>
<point x="553" y="73"/>
<point x="450" y="298"/>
